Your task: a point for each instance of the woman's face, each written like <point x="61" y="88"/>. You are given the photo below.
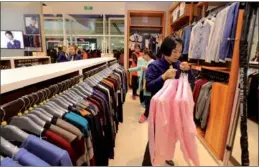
<point x="146" y="57"/>
<point x="137" y="49"/>
<point x="176" y="53"/>
<point x="64" y="49"/>
<point x="83" y="52"/>
<point x="72" y="50"/>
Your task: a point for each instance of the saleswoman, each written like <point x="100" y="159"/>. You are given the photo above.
<point x="159" y="71"/>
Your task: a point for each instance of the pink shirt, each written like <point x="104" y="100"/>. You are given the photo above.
<point x="170" y="120"/>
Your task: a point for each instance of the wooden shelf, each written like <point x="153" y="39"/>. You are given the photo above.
<point x="145" y="26"/>
<point x="200" y="4"/>
<point x="218" y="69"/>
<point x="143" y="13"/>
<point x="179" y="23"/>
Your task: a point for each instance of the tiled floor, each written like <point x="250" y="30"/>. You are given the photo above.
<point x="132" y="138"/>
<point x="252" y="130"/>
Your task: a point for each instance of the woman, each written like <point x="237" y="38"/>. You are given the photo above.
<point x="72" y="54"/>
<point x="135" y="76"/>
<point x="149" y="58"/>
<point x="159" y="71"/>
<point x="62" y="55"/>
<point x="84" y="54"/>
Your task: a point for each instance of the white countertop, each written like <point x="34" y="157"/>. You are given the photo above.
<point x="24" y="57"/>
<point x="12" y="79"/>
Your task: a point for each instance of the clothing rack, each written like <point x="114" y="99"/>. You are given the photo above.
<point x="217" y="9"/>
<point x="11" y="108"/>
<point x="16" y="83"/>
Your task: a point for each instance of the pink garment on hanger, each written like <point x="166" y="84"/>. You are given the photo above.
<point x="151" y="121"/>
<point x="164" y="136"/>
<point x="189" y="129"/>
<point x="170" y="120"/>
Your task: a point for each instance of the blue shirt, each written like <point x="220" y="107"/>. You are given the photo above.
<point x="26" y="158"/>
<point x="78" y="121"/>
<point x="154" y="80"/>
<point x="186" y="39"/>
<point x="229" y="34"/>
<point x="8" y="162"/>
<point x="200" y="39"/>
<point x="48" y="152"/>
<point x="16" y="45"/>
<point x="75" y="57"/>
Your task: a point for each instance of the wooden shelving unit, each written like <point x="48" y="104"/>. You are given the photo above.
<point x="145" y="26"/>
<point x="222" y="97"/>
<point x="217" y="69"/>
<point x="144" y="20"/>
<point x="189" y="11"/>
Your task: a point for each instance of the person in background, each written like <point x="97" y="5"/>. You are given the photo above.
<point x="62" y="55"/>
<point x="121" y="59"/>
<point x="79" y="52"/>
<point x="13" y="43"/>
<point x="72" y="54"/>
<point x="149" y="58"/>
<point x="84" y="54"/>
<point x="159" y="71"/>
<point x="135" y="76"/>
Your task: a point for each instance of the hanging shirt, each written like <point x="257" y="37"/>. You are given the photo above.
<point x="229" y="34"/>
<point x="186" y="39"/>
<point x="8" y="162"/>
<point x="50" y="153"/>
<point x="26" y="158"/>
<point x="212" y="51"/>
<point x="200" y="38"/>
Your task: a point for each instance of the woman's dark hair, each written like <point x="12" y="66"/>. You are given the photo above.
<point x="169" y="44"/>
<point x="59" y="49"/>
<point x="9" y="33"/>
<point x="136" y="46"/>
<point x="84" y="50"/>
<point x="149" y="53"/>
<point x="74" y="46"/>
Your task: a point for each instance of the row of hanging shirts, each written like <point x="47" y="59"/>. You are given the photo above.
<point x="74" y="128"/>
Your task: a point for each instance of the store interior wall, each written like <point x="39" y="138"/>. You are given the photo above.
<point x="12" y="18"/>
<point x="151" y="6"/>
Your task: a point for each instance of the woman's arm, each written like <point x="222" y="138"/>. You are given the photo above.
<point x="139" y="66"/>
<point x="154" y="80"/>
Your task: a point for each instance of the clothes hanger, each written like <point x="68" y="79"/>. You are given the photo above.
<point x="26" y="124"/>
<point x="10" y="132"/>
<point x="47" y="108"/>
<point x="56" y="100"/>
<point x="34" y="118"/>
<point x="8" y="148"/>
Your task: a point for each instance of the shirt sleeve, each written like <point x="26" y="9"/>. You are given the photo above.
<point x="154" y="80"/>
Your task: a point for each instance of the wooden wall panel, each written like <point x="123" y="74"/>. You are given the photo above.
<point x="216" y="121"/>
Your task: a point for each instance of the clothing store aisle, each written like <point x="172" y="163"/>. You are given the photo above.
<point x="132" y="138"/>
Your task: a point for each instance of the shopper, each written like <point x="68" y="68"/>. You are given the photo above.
<point x="135" y="76"/>
<point x="159" y="71"/>
<point x="62" y="54"/>
<point x="84" y="54"/>
<point x="72" y="54"/>
<point x="149" y="58"/>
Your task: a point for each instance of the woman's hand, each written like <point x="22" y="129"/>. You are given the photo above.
<point x="144" y="68"/>
<point x="184" y="66"/>
<point x="169" y="74"/>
